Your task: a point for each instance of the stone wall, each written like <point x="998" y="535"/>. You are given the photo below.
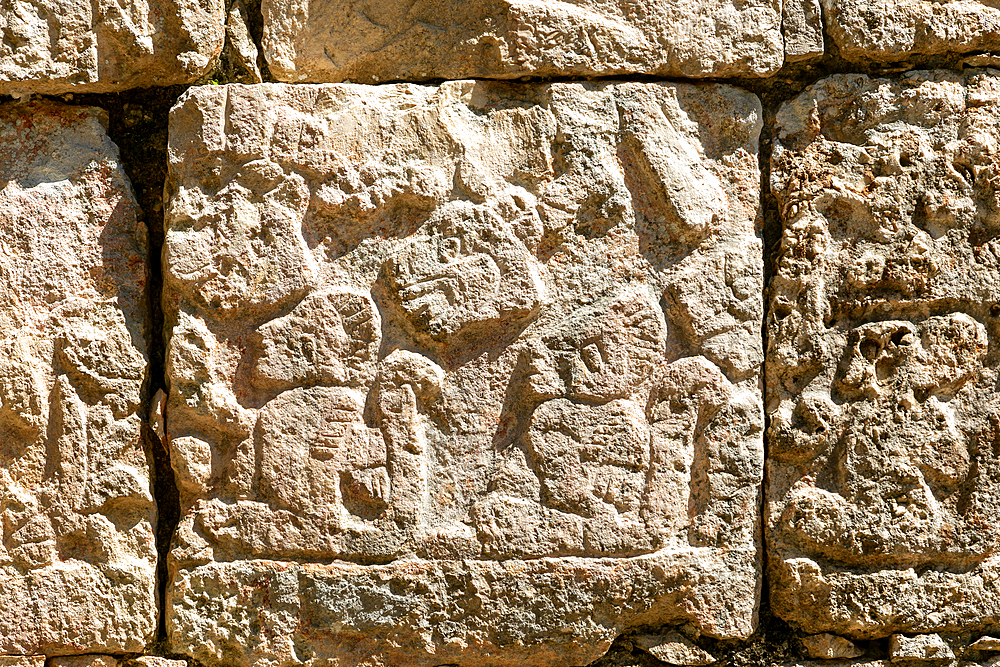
<point x="514" y="333"/>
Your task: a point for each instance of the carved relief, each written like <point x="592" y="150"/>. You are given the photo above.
<point x="883" y="357"/>
<point x="468" y="365"/>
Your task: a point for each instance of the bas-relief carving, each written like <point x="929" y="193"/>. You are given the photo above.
<point x="394" y="339"/>
<point x="882" y="379"/>
<point x="76" y="511"/>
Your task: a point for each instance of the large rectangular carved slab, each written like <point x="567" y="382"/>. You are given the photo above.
<point x="55" y="46"/>
<point x="388" y="40"/>
<point x="462" y="372"/>
<point x="884" y="324"/>
<point x="77" y="557"/>
<point x="898" y="29"/>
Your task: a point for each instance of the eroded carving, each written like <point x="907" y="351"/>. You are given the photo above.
<point x="470" y="361"/>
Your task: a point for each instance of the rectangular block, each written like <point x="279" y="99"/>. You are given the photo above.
<point x="56" y="46"/>
<point x="892" y="30"/>
<point x="884" y="322"/>
<point x="387" y="40"/>
<point x="77" y="556"/>
<point x="462" y="373"/>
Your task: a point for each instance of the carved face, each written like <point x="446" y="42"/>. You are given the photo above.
<point x="901" y="463"/>
<point x="466" y="274"/>
<point x="604" y="353"/>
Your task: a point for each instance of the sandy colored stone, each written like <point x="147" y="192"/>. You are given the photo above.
<point x="77" y="556"/>
<point x="893" y="30"/>
<point x="461" y="373"/>
<point x="387" y="40"/>
<point x="802" y="26"/>
<point x="56" y="46"/>
<point x="920" y="649"/>
<point x="883" y="327"/>
<point x="986" y="644"/>
<point x="675" y="649"/>
<point x="830" y="647"/>
<point x="22" y="661"/>
<point x="156" y="661"/>
<point x="83" y="661"/>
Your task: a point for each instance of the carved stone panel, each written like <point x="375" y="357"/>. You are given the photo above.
<point x="894" y="30"/>
<point x="467" y="372"/>
<point x="884" y="325"/>
<point x="56" y="46"/>
<point x="77" y="551"/>
<point x="369" y="41"/>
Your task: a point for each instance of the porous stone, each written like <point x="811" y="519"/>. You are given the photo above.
<point x="83" y="661"/>
<point x="921" y="649"/>
<point x="77" y="555"/>
<point x="387" y="40"/>
<point x="802" y="26"/>
<point x="675" y="649"/>
<point x="986" y="644"/>
<point x="22" y="661"/>
<point x="461" y="373"/>
<point x="894" y="30"/>
<point x="830" y="647"/>
<point x="156" y="661"/>
<point x="883" y="334"/>
<point x="56" y="46"/>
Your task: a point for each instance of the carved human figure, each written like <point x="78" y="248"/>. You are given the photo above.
<point x="464" y="278"/>
<point x="901" y="465"/>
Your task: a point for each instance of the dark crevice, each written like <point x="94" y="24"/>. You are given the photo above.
<point x="137" y="124"/>
<point x="255" y="25"/>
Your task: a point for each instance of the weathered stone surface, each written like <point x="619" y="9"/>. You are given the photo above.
<point x="53" y="46"/>
<point x="919" y="649"/>
<point x="156" y="661"/>
<point x="461" y="373"/>
<point x="802" y="26"/>
<point x="986" y="644"/>
<point x="829" y="647"/>
<point x="675" y="649"/>
<point x="22" y="661"/>
<point x="884" y="324"/>
<point x="91" y="660"/>
<point x="77" y="556"/>
<point x="893" y="30"/>
<point x="387" y="40"/>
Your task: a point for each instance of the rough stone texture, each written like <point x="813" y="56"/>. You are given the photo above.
<point x="919" y="649"/>
<point x="84" y="661"/>
<point x="884" y="323"/>
<point x="894" y="30"/>
<point x="53" y="46"/>
<point x="156" y="661"/>
<point x="829" y="647"/>
<point x="387" y="40"/>
<point x="22" y="661"/>
<point x="675" y="649"/>
<point x="77" y="556"/>
<point x="802" y="26"/>
<point x="985" y="644"/>
<point x="467" y="373"/>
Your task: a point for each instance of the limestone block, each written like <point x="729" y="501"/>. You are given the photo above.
<point x="893" y="30"/>
<point x="461" y="373"/>
<point x="91" y="660"/>
<point x="54" y="46"/>
<point x="922" y="649"/>
<point x="387" y="40"/>
<point x="883" y="334"/>
<point x="77" y="555"/>
<point x="22" y="661"/>
<point x="802" y="24"/>
<point x="830" y="647"/>
<point x="675" y="649"/>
